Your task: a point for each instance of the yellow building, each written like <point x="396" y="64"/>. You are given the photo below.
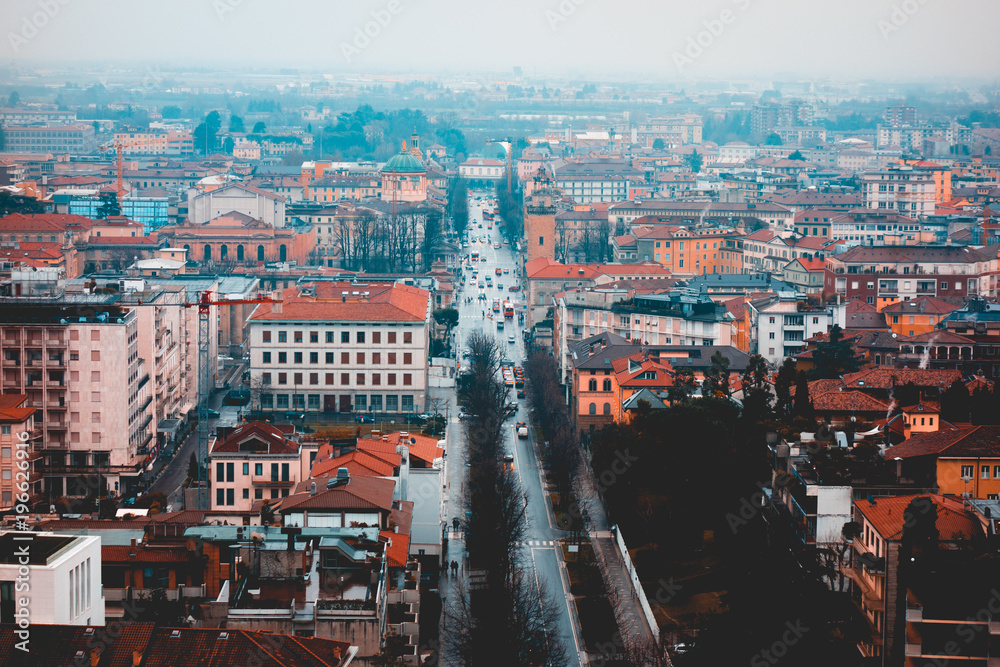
<point x="691" y="251"/>
<point x="958" y="460"/>
<point x="917" y="316"/>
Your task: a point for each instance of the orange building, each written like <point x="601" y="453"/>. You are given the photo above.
<point x="243" y="239"/>
<point x="921" y="315"/>
<point x="941" y="175"/>
<point x="960" y="460"/>
<point x="634" y="373"/>
<point x="691" y="251"/>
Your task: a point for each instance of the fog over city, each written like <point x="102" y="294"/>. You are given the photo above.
<point x="843" y="39"/>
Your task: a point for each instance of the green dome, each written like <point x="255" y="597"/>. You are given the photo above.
<point x="403" y="163"/>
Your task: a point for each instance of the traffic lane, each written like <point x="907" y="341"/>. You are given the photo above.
<point x="548" y="567"/>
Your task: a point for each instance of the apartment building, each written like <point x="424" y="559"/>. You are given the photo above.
<point x="780" y="325"/>
<point x="598" y="181"/>
<point x="156" y="142"/>
<point x="886" y="274"/>
<point x="342" y="347"/>
<point x="77" y="359"/>
<point x="691" y="250"/>
<point x="901" y="188"/>
<point x="75" y="139"/>
<point x="482" y="171"/>
<point x="623" y="214"/>
<point x="765" y="251"/>
<point x="673" y="130"/>
<point x="336" y="188"/>
<point x="764" y="118"/>
<point x="256" y="461"/>
<point x="875" y="227"/>
<point x="64" y="573"/>
<point x="33" y="116"/>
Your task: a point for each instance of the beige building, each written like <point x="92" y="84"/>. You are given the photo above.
<point x="77" y="360"/>
<point x="17" y="443"/>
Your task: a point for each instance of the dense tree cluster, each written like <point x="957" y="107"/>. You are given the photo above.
<point x="376" y="243"/>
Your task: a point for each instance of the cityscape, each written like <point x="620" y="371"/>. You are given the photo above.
<point x="730" y="399"/>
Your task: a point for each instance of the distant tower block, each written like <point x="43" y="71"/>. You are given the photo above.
<point x="540" y="217"/>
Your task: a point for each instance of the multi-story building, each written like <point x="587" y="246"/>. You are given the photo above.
<point x="806" y="275"/>
<point x="75" y="139"/>
<point x="17" y="443"/>
<point x="64" y="574"/>
<point x="675" y="318"/>
<point x="336" y="188"/>
<point x="921" y="315"/>
<point x="875" y="227"/>
<point x="256" y="461"/>
<point x="691" y="250"/>
<point x="597" y="181"/>
<point x="481" y="171"/>
<point x="621" y="215"/>
<point x="902" y="188"/>
<point x="150" y="208"/>
<point x="77" y="359"/>
<point x="237" y="198"/>
<point x="886" y="274"/>
<point x="342" y="347"/>
<point x="156" y="142"/>
<point x="673" y="130"/>
<point x="781" y="324"/>
<point x="764" y="118"/>
<point x="900" y="115"/>
<point x="765" y="251"/>
<point x="796" y="135"/>
<point x="33" y="116"/>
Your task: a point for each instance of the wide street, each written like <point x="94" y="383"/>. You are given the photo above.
<point x="541" y="549"/>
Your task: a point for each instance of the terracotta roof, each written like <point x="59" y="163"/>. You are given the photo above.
<point x="940" y="338"/>
<point x="886" y="378"/>
<point x="143" y="554"/>
<point x="422" y="447"/>
<point x="847" y="401"/>
<point x="358" y="463"/>
<point x="624" y="240"/>
<point x="973" y="441"/>
<point x="168" y="647"/>
<point x="915" y="254"/>
<point x="736" y="307"/>
<point x="763" y="235"/>
<point x="12" y="410"/>
<point x="263" y="437"/>
<point x="43" y="222"/>
<point x="339" y="302"/>
<point x="920" y="306"/>
<point x="628" y="369"/>
<point x="373" y="493"/>
<point x="887" y="514"/>
<point x="397" y="548"/>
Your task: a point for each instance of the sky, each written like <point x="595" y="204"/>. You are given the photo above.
<point x="909" y="40"/>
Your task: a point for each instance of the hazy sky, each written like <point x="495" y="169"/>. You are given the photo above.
<point x="841" y="39"/>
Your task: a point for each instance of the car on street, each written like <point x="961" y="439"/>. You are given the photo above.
<point x="213" y="414"/>
<point x="522" y="430"/>
<point x="511" y="339"/>
<point x="514" y="288"/>
<point x="520" y="393"/>
<point x="364" y="419"/>
<point x="508" y="460"/>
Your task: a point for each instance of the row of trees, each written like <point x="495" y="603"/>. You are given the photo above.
<point x="377" y="243"/>
<point x="458" y="205"/>
<point x="546" y="397"/>
<point x="504" y="616"/>
<point x="510" y="207"/>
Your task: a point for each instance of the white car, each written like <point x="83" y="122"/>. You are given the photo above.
<point x="510" y="339"/>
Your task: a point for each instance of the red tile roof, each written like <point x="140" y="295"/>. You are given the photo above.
<point x="922" y="305"/>
<point x="887" y="514"/>
<point x="422" y="447"/>
<point x="338" y="302"/>
<point x="262" y="437"/>
<point x="43" y="222"/>
<point x="12" y="410"/>
<point x="143" y="554"/>
<point x="628" y="372"/>
<point x="358" y="463"/>
<point x="371" y="493"/>
<point x="847" y="401"/>
<point x="969" y="442"/>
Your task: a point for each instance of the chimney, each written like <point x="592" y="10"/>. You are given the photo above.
<point x="136" y="658"/>
<point x="95" y="656"/>
<point x="277" y="303"/>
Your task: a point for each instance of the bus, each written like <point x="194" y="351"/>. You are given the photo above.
<point x="508" y="309"/>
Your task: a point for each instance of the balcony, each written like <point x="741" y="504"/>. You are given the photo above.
<point x="266" y="480"/>
<point x="15" y="363"/>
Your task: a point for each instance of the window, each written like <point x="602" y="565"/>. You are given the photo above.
<point x="282" y="357"/>
<point x="407" y="379"/>
<point x="376" y="378"/>
<point x="345" y="336"/>
<point x="246" y="494"/>
<point x="541" y="240"/>
<point x="984" y="472"/>
<point x="360" y="378"/>
<point x="313" y="336"/>
<point x="246" y="468"/>
<point x="376" y="357"/>
<point x="944" y="285"/>
<point x="392" y="358"/>
<point x="593" y="408"/>
<point x="314" y="357"/>
<point x="298" y="336"/>
<point x="230" y="496"/>
<point x="391" y="378"/>
<point x="391" y="338"/>
<point x="377" y="337"/>
<point x="607" y="408"/>
<point x="267" y="358"/>
<point x="220" y="497"/>
<point x="407" y="337"/>
<point x="314" y="378"/>
<point x="329" y="357"/>
<point x="329" y="336"/>
<point x="361" y="357"/>
<point x="968" y="471"/>
<point x="282" y="378"/>
<point x="592" y="385"/>
<point x="298" y="357"/>
<point x="996" y="472"/>
<point x="282" y="336"/>
<point x="328" y="378"/>
<point x="220" y="472"/>
<point x="407" y="358"/>
<point x="607" y="385"/>
<point x="345" y="379"/>
<point x="258" y="494"/>
<point x="258" y="469"/>
<point x="297" y="378"/>
<point x="361" y="337"/>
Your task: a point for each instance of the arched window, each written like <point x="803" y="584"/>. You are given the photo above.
<point x="223" y="251"/>
<point x="592" y="385"/>
<point x="593" y="408"/>
<point x="282" y="253"/>
<point x="239" y="253"/>
<point x="188" y="249"/>
<point x="607" y="385"/>
<point x="260" y="253"/>
<point x="208" y="253"/>
<point x="607" y="408"/>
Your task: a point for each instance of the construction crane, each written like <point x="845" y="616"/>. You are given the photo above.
<point x="119" y="146"/>
<point x="205" y="304"/>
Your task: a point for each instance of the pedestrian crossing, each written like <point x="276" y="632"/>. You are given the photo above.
<point x="538" y="543"/>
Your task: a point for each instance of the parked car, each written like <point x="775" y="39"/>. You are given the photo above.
<point x="364" y="419"/>
<point x="213" y="414"/>
<point x="510" y="339"/>
<point x="520" y="393"/>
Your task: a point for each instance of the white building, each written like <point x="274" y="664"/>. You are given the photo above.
<point x="900" y="188"/>
<point x="342" y="347"/>
<point x="482" y="169"/>
<point x="258" y="204"/>
<point x="781" y="324"/>
<point x="63" y="579"/>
